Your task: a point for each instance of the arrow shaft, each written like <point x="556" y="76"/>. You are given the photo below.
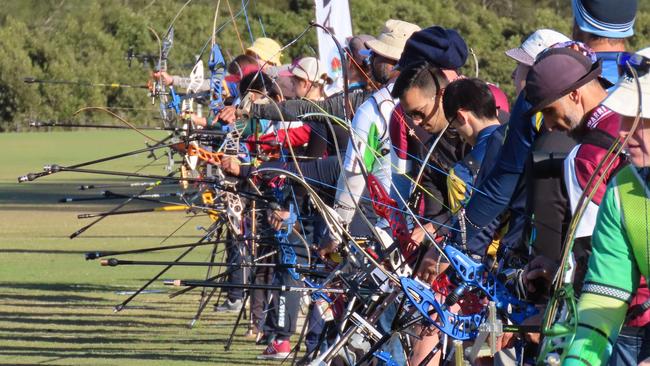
<point x="254" y="286"/>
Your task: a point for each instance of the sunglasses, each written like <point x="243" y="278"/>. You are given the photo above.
<point x="639" y="63"/>
<point x="576" y="46"/>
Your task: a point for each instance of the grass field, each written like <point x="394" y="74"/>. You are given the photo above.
<point x="55" y="307"/>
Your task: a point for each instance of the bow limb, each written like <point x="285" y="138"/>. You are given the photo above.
<point x="217" y="66"/>
<point x="429" y="153"/>
<point x="164" y="47"/>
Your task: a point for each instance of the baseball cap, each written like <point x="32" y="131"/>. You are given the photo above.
<point x="556" y="73"/>
<point x="500" y="98"/>
<point x="266" y="49"/>
<point x="605" y="18"/>
<point x="310" y="69"/>
<point x="623" y="98"/>
<point x="438" y="46"/>
<point x="236" y="78"/>
<point x="392" y="38"/>
<point x="537" y="42"/>
<point x="357" y="47"/>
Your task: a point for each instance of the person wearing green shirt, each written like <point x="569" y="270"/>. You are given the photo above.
<point x="621" y="241"/>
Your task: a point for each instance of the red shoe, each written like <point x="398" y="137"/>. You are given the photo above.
<point x="277" y="350"/>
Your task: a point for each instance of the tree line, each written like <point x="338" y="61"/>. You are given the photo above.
<point x="88" y="41"/>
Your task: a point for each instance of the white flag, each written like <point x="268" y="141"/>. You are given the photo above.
<point x="335" y="16"/>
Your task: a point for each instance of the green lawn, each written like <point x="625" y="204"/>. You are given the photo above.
<point x="55" y="307"/>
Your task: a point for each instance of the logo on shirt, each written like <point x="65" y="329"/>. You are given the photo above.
<point x="598" y="115"/>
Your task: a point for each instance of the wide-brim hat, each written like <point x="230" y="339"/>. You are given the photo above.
<point x="390" y="43"/>
<point x="624" y="97"/>
<point x="267" y="50"/>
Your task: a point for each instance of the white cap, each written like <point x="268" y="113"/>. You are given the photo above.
<point x="310" y="69"/>
<point x="534" y="44"/>
<point x="623" y="98"/>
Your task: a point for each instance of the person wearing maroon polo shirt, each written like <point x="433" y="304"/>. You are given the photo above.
<point x="573" y="103"/>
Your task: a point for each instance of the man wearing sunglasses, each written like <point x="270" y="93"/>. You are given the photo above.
<point x="433" y="57"/>
<point x="621" y="245"/>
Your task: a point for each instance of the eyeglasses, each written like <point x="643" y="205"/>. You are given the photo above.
<point x="576" y="46"/>
<point x="640" y="64"/>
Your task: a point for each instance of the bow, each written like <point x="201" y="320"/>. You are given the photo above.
<point x="159" y="86"/>
<point x="288" y="255"/>
<point x="217" y="66"/>
<point x="469" y="276"/>
<point x="386" y="208"/>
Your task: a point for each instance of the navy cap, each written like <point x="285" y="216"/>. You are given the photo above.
<point x="440" y="47"/>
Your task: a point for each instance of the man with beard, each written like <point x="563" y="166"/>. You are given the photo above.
<point x="620" y="239"/>
<point x="573" y="103"/>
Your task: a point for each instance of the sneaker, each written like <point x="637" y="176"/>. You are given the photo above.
<point x="265" y="339"/>
<point x="229" y="306"/>
<point x="277" y="350"/>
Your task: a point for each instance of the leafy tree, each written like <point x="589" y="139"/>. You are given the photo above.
<point x="88" y="40"/>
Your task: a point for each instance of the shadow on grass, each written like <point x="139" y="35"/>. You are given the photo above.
<point x="118" y="353"/>
<point x="45" y="338"/>
<point x="106" y="322"/>
<point x="98" y="307"/>
<point x="101" y="314"/>
<point x="117" y="236"/>
<point x="50" y="193"/>
<point x="52" y="298"/>
<point x="59" y="287"/>
<point x="47" y="331"/>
